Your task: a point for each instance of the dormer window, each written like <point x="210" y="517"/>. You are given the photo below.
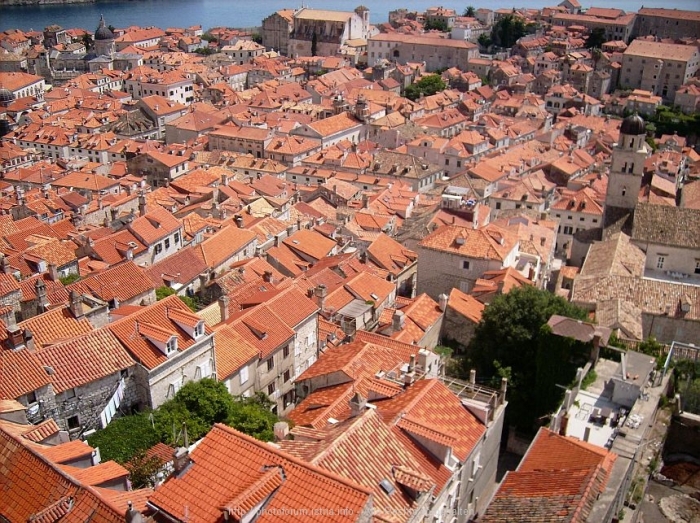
<point x="199" y="330"/>
<point x="171" y="345"/>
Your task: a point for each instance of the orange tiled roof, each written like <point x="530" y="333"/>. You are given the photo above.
<point x="21" y="372"/>
<point x="465" y="305"/>
<point x="127" y="331"/>
<point x="36" y="490"/>
<point x="558" y="480"/>
<point x="84" y="359"/>
<point x="429" y="406"/>
<point x="123" y="282"/>
<point x="232" y="351"/>
<point x="244" y="462"/>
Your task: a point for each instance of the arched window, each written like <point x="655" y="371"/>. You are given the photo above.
<point x="396" y="53"/>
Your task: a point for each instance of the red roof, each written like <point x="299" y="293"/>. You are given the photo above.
<point x="559" y="479"/>
<point x="233" y="470"/>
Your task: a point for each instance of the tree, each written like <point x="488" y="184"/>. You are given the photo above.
<point x="485" y="40"/>
<point x="143" y="470"/>
<point x="196" y="407"/>
<point x="125" y="437"/>
<point x="508" y="340"/>
<point x="508" y="30"/>
<point x="164" y="292"/>
<point x="314" y="44"/>
<point x="87" y="41"/>
<point x="253" y="417"/>
<point x="470" y="11"/>
<point x="596" y="38"/>
<point x="438" y="25"/>
<point x="428" y="85"/>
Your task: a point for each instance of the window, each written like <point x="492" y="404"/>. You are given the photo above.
<point x="697" y="266"/>
<point x="568" y="229"/>
<point x="660" y="262"/>
<point x="244" y="374"/>
<point x="285" y="352"/>
<point x="124" y="373"/>
<point x="581" y="219"/>
<point x="498" y="205"/>
<point x="167" y="243"/>
<point x="177" y="237"/>
<point x="171" y="346"/>
<point x="465" y="265"/>
<point x="270" y="364"/>
<point x="271" y="388"/>
<point x="198" y="330"/>
<point x="158" y="248"/>
<point x="31" y="397"/>
<point x="73" y="422"/>
<point x="287" y="376"/>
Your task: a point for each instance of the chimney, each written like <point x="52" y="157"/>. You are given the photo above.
<point x="358" y="404"/>
<point x="472" y="376"/>
<point x="14" y="334"/>
<point x="504" y="388"/>
<point x="132" y="515"/>
<point x="412" y="363"/>
<point x="181" y="460"/>
<point x="567" y="399"/>
<point x="397" y="321"/>
<point x="142" y="204"/>
<point x="267" y="276"/>
<point x="239" y="221"/>
<point x="320" y="292"/>
<point x="5" y="265"/>
<point x="76" y="304"/>
<point x="40" y="288"/>
<point x="224" y="180"/>
<point x="53" y="272"/>
<point x="281" y="430"/>
<point x="442" y="301"/>
<point x="500" y="286"/>
<point x="365" y="201"/>
<point x="223" y="307"/>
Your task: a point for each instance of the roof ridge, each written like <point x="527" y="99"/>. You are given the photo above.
<point x="296" y="461"/>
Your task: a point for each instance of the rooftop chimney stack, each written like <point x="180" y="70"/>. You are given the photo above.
<point x="142" y="204"/>
<point x="358" y="404"/>
<point x="268" y="277"/>
<point x="320" y="293"/>
<point x="181" y="459"/>
<point x="76" y="305"/>
<point x="223" y="307"/>
<point x="281" y="430"/>
<point x="43" y="301"/>
<point x="472" y="376"/>
<point x="442" y="301"/>
<point x="53" y="272"/>
<point x="398" y="321"/>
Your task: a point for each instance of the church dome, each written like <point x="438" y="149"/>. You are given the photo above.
<point x="633" y="125"/>
<point x="5" y="96"/>
<point x="103" y="32"/>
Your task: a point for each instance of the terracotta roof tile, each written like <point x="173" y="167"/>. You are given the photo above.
<point x="21" y="372"/>
<point x="128" y="329"/>
<point x="123" y="282"/>
<point x="227" y="464"/>
<point x="465" y="305"/>
<point x="232" y="351"/>
<point x="84" y="359"/>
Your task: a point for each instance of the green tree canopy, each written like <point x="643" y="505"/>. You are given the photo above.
<point x="596" y="38"/>
<point x="197" y="406"/>
<point x="508" y="342"/>
<point x="428" y="85"/>
<point x="469" y="11"/>
<point x="508" y="30"/>
<point x="438" y="25"/>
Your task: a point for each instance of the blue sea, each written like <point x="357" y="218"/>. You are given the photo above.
<point x="238" y="13"/>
